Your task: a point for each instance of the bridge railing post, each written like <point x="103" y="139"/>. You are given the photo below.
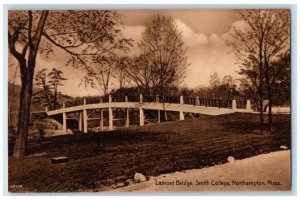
<point x="181" y="114"/>
<point x="181" y="100"/>
<point x="233" y="104"/>
<point x="46" y="108"/>
<point x="248" y="105"/>
<point x="141" y="111"/>
<point x="197" y="101"/>
<point x="141" y="98"/>
<point x="157" y="99"/>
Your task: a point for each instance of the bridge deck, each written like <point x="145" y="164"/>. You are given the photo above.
<point x="193" y="105"/>
<point x="151" y="106"/>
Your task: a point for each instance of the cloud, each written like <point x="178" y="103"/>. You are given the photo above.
<point x="135" y="33"/>
<point x="190" y="38"/>
<point x="207" y="54"/>
<point x="239" y="25"/>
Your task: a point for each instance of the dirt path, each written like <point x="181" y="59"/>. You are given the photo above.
<point x="266" y="172"/>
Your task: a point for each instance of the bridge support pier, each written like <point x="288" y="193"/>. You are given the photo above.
<point x="85" y="121"/>
<point x="110" y="119"/>
<point x="101" y="119"/>
<point x="80" y="121"/>
<point x="158" y="116"/>
<point x="181" y="115"/>
<point x="64" y="122"/>
<point x="127" y="118"/>
<point x="127" y="114"/>
<point x="142" y="117"/>
<point x="85" y="118"/>
<point x="110" y="114"/>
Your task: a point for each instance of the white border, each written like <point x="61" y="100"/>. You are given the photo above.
<point x="147" y="3"/>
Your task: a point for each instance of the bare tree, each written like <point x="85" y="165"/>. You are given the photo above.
<point x="276" y="42"/>
<point x="79" y="34"/>
<point x="215" y="82"/>
<point x="225" y="89"/>
<point x="264" y="38"/>
<point x="228" y="87"/>
<point x="99" y="76"/>
<point x="103" y="67"/>
<point x="121" y="65"/>
<point x="163" y="49"/>
<point x="280" y="80"/>
<point x="140" y="72"/>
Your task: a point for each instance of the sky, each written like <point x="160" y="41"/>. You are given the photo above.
<point x="204" y="33"/>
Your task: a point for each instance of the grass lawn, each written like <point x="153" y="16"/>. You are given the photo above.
<point x="98" y="160"/>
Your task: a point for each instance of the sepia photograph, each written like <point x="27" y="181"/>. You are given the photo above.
<point x="149" y="100"/>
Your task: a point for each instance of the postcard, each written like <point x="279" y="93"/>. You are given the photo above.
<point x="178" y="100"/>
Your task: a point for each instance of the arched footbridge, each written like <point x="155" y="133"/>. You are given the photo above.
<point x="176" y="104"/>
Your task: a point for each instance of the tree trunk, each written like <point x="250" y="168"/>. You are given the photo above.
<point x="166" y="116"/>
<point x="270" y="107"/>
<point x="147" y="92"/>
<point x="47" y="95"/>
<point x="261" y="107"/>
<point x="269" y="88"/>
<point x="55" y="103"/>
<point x="27" y="72"/>
<point x="24" y="114"/>
<point x="261" y="89"/>
<point x="10" y="118"/>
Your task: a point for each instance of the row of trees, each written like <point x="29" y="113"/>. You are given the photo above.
<point x="231" y="88"/>
<point x="225" y="89"/>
